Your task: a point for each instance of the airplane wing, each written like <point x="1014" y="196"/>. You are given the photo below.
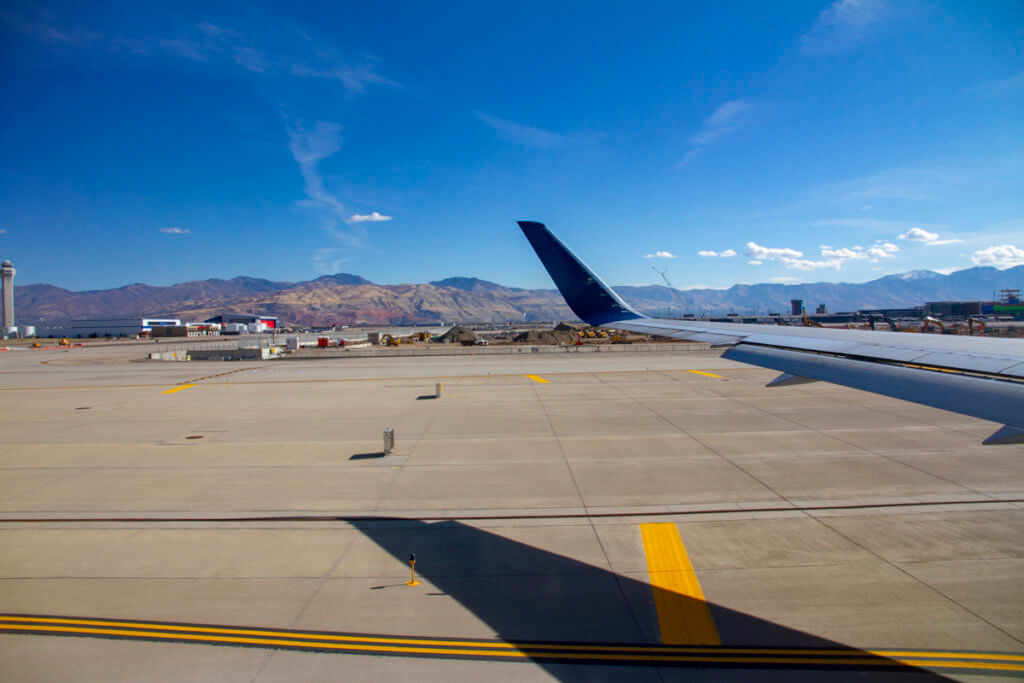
<point x="976" y="376"/>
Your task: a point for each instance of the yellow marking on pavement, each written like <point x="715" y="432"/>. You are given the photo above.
<point x="183" y="386"/>
<point x="683" y="615"/>
<point x="454" y="380"/>
<point x="538" y="379"/>
<point x="380" y="644"/>
<point x="706" y="374"/>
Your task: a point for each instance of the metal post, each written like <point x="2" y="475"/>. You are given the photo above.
<point x="437" y="390"/>
<point x="389" y="440"/>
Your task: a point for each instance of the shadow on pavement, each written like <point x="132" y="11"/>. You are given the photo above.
<point x="526" y="594"/>
<point x="367" y="456"/>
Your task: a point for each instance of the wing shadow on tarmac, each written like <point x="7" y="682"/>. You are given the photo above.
<point x="526" y="594"/>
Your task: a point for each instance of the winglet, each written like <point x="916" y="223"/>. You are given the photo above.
<point x="588" y="297"/>
<point x="787" y="380"/>
<point x="1005" y="435"/>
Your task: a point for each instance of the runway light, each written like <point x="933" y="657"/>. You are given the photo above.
<point x="412" y="566"/>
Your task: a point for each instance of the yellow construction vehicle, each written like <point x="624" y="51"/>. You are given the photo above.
<point x="810" y="323"/>
<point x="64" y="341"/>
<point x="929" y="321"/>
<point x="390" y="340"/>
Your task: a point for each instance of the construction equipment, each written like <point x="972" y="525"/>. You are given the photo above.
<point x="892" y="323"/>
<point x="929" y="321"/>
<point x="810" y="323"/>
<point x="64" y="341"/>
<point x="971" y="322"/>
<point x="390" y="340"/>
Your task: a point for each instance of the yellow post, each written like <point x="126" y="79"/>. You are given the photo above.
<point x="412" y="564"/>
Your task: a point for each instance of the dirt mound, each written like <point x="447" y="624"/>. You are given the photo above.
<point x="458" y="335"/>
<point x="555" y="336"/>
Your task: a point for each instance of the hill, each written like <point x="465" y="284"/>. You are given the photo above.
<point x="346" y="299"/>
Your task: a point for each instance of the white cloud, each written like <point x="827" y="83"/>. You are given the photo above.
<point x="925" y="237"/>
<point x="660" y="254"/>
<point x="845" y="25"/>
<point x="354" y="78"/>
<point x="256" y="49"/>
<point x="843" y="254"/>
<point x="727" y="253"/>
<point x="882" y="250"/>
<point x="806" y="264"/>
<point x="918" y="235"/>
<point x="999" y="87"/>
<point x="3" y="231"/>
<point x="309" y="148"/>
<point x="754" y="262"/>
<point x="367" y="218"/>
<point x="948" y="270"/>
<point x="1003" y="256"/>
<point x="771" y="253"/>
<point x="728" y="118"/>
<point x="41" y="24"/>
<point x="782" y="279"/>
<point x="520" y="134"/>
<point x="832" y="257"/>
<point x="176" y="231"/>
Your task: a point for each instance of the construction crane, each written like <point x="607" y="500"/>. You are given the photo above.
<point x="675" y="292"/>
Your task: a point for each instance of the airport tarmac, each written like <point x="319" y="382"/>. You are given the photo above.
<point x="576" y="516"/>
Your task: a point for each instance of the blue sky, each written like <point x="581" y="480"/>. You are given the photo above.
<point x="748" y="142"/>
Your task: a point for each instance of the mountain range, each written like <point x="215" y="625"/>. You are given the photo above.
<point x="347" y="299"/>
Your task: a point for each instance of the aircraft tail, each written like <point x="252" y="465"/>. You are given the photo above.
<point x="589" y="298"/>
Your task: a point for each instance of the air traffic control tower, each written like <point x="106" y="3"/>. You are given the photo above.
<point x="7" y="272"/>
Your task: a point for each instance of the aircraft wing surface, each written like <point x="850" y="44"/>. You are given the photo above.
<point x="976" y="376"/>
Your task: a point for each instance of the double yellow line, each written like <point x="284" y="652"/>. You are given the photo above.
<point x="838" y="659"/>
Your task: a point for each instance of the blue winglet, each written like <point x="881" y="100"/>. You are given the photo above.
<point x="588" y="297"/>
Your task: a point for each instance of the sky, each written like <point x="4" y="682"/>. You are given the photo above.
<point x="717" y="143"/>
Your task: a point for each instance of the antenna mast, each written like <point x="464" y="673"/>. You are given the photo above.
<point x="675" y="292"/>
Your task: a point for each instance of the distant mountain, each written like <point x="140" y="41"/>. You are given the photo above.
<point x="345" y="299"/>
<point x="343" y="279"/>
<point x="892" y="291"/>
<point x="471" y="284"/>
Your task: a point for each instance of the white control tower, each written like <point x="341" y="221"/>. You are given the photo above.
<point x="7" y="272"/>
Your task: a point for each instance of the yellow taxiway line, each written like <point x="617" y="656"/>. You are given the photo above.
<point x="834" y="658"/>
<point x="538" y="379"/>
<point x="183" y="386"/>
<point x="706" y="374"/>
<point x="683" y="614"/>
